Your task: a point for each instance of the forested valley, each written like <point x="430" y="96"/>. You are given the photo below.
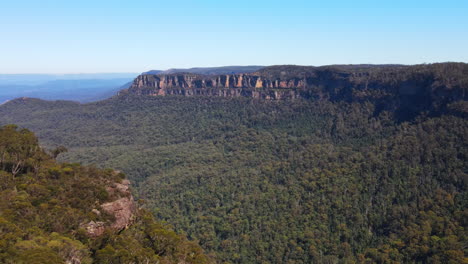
<point x="288" y="181"/>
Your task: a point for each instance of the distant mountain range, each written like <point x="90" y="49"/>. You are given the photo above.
<point x="37" y="79"/>
<point x="75" y="87"/>
<point x="282" y="81"/>
<point x="88" y="87"/>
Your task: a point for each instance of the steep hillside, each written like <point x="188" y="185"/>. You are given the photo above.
<point x="347" y="175"/>
<point x="67" y="213"/>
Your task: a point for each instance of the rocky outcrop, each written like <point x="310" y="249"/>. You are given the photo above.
<point x="122" y="209"/>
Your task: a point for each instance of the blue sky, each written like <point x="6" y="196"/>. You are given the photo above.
<point x="135" y="36"/>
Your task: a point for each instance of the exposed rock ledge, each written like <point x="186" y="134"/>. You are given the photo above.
<point x="123" y="209"/>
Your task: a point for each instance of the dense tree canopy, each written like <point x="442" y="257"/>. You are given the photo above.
<point x="281" y="182"/>
<point x="356" y="175"/>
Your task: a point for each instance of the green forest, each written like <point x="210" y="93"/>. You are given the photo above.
<point x="347" y="179"/>
<point x="43" y="205"/>
<point x="278" y="182"/>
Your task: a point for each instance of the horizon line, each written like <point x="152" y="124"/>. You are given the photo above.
<point x="250" y="65"/>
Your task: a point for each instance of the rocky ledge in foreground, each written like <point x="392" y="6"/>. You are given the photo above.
<point x="122" y="209"/>
<point x="55" y="213"/>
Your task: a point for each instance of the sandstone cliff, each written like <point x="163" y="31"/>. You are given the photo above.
<point x="247" y="85"/>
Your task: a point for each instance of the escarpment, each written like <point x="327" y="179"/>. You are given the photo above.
<point x="237" y="85"/>
<point x="407" y="89"/>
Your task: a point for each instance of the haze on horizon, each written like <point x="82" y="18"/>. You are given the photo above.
<point x="58" y="37"/>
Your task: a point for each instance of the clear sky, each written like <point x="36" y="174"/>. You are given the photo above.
<point x="85" y="36"/>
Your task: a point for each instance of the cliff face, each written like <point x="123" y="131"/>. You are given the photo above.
<point x="394" y="87"/>
<point x="246" y="85"/>
<point x="197" y="81"/>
